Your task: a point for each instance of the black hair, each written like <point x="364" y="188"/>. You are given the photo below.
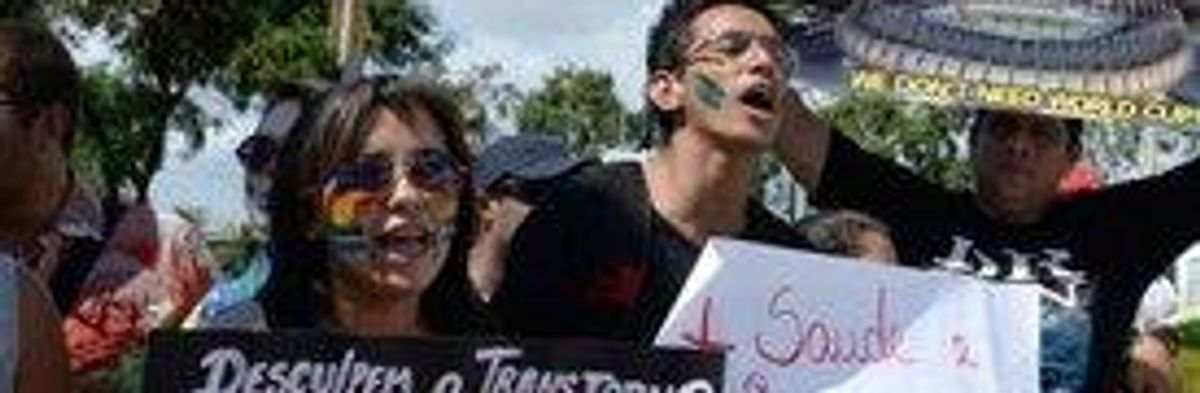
<point x="670" y="36"/>
<point x="987" y="117"/>
<point x="835" y="231"/>
<point x="37" y="71"/>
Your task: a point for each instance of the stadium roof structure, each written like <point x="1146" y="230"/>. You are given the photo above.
<point x="1110" y="47"/>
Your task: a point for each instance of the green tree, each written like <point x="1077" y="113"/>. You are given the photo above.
<point x="167" y="49"/>
<point x="483" y="99"/>
<point x="18" y="8"/>
<point x="930" y="140"/>
<point x="581" y="106"/>
<point x="1122" y="151"/>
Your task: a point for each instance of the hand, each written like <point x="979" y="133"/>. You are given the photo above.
<point x="1152" y="369"/>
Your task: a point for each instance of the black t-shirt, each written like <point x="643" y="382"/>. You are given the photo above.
<point x="1097" y="250"/>
<point x="595" y="260"/>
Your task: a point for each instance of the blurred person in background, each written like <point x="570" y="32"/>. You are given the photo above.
<point x="1154" y="356"/>
<point x="116" y="271"/>
<point x="291" y="106"/>
<point x="849" y="233"/>
<point x="33" y="357"/>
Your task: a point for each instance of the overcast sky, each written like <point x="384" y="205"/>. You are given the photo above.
<point x="528" y="38"/>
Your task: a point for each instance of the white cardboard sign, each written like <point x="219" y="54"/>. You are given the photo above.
<point x="798" y="322"/>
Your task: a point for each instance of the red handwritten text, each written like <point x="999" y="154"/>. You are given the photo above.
<point x="818" y="340"/>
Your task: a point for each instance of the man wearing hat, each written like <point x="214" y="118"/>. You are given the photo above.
<point x="511" y="177"/>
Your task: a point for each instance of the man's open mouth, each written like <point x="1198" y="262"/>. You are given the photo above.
<point x="758" y="97"/>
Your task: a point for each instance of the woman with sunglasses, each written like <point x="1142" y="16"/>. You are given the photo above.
<point x="370" y="218"/>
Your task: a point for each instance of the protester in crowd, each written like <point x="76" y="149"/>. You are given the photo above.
<point x="849" y="233"/>
<point x="371" y="217"/>
<point x="33" y="357"/>
<point x="1154" y="357"/>
<point x="259" y="153"/>
<point x="290" y="105"/>
<point x="1094" y="252"/>
<point x="513" y="177"/>
<point x="608" y="254"/>
<point x="115" y="271"/>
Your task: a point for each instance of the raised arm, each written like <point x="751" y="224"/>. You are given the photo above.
<point x="837" y="173"/>
<point x="802" y="142"/>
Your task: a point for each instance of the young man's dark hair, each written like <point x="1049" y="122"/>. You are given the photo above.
<point x="670" y="38"/>
<point x="36" y="71"/>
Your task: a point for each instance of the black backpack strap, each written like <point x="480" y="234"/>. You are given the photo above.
<point x="79" y="258"/>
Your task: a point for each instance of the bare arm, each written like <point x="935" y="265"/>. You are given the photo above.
<point x="802" y="142"/>
<point x="42" y="364"/>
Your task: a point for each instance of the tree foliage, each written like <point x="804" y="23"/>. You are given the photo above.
<point x="1123" y="151"/>
<point x="18" y="8"/>
<point x="483" y="98"/>
<point x="121" y="142"/>
<point x="581" y="106"/>
<point x="930" y="140"/>
<point x="168" y="48"/>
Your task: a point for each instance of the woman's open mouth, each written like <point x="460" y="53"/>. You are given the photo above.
<point x="404" y="247"/>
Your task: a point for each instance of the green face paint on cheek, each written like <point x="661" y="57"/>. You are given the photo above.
<point x="710" y="93"/>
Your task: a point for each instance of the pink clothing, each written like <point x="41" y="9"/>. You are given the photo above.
<point x="152" y="271"/>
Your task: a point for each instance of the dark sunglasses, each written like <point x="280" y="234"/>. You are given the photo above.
<point x="732" y="45"/>
<point x="428" y="169"/>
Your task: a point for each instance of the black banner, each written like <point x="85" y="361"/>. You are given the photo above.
<point x="212" y="362"/>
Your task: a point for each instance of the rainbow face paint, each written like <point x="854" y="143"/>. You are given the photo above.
<point x="344" y="228"/>
<point x="355" y="210"/>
